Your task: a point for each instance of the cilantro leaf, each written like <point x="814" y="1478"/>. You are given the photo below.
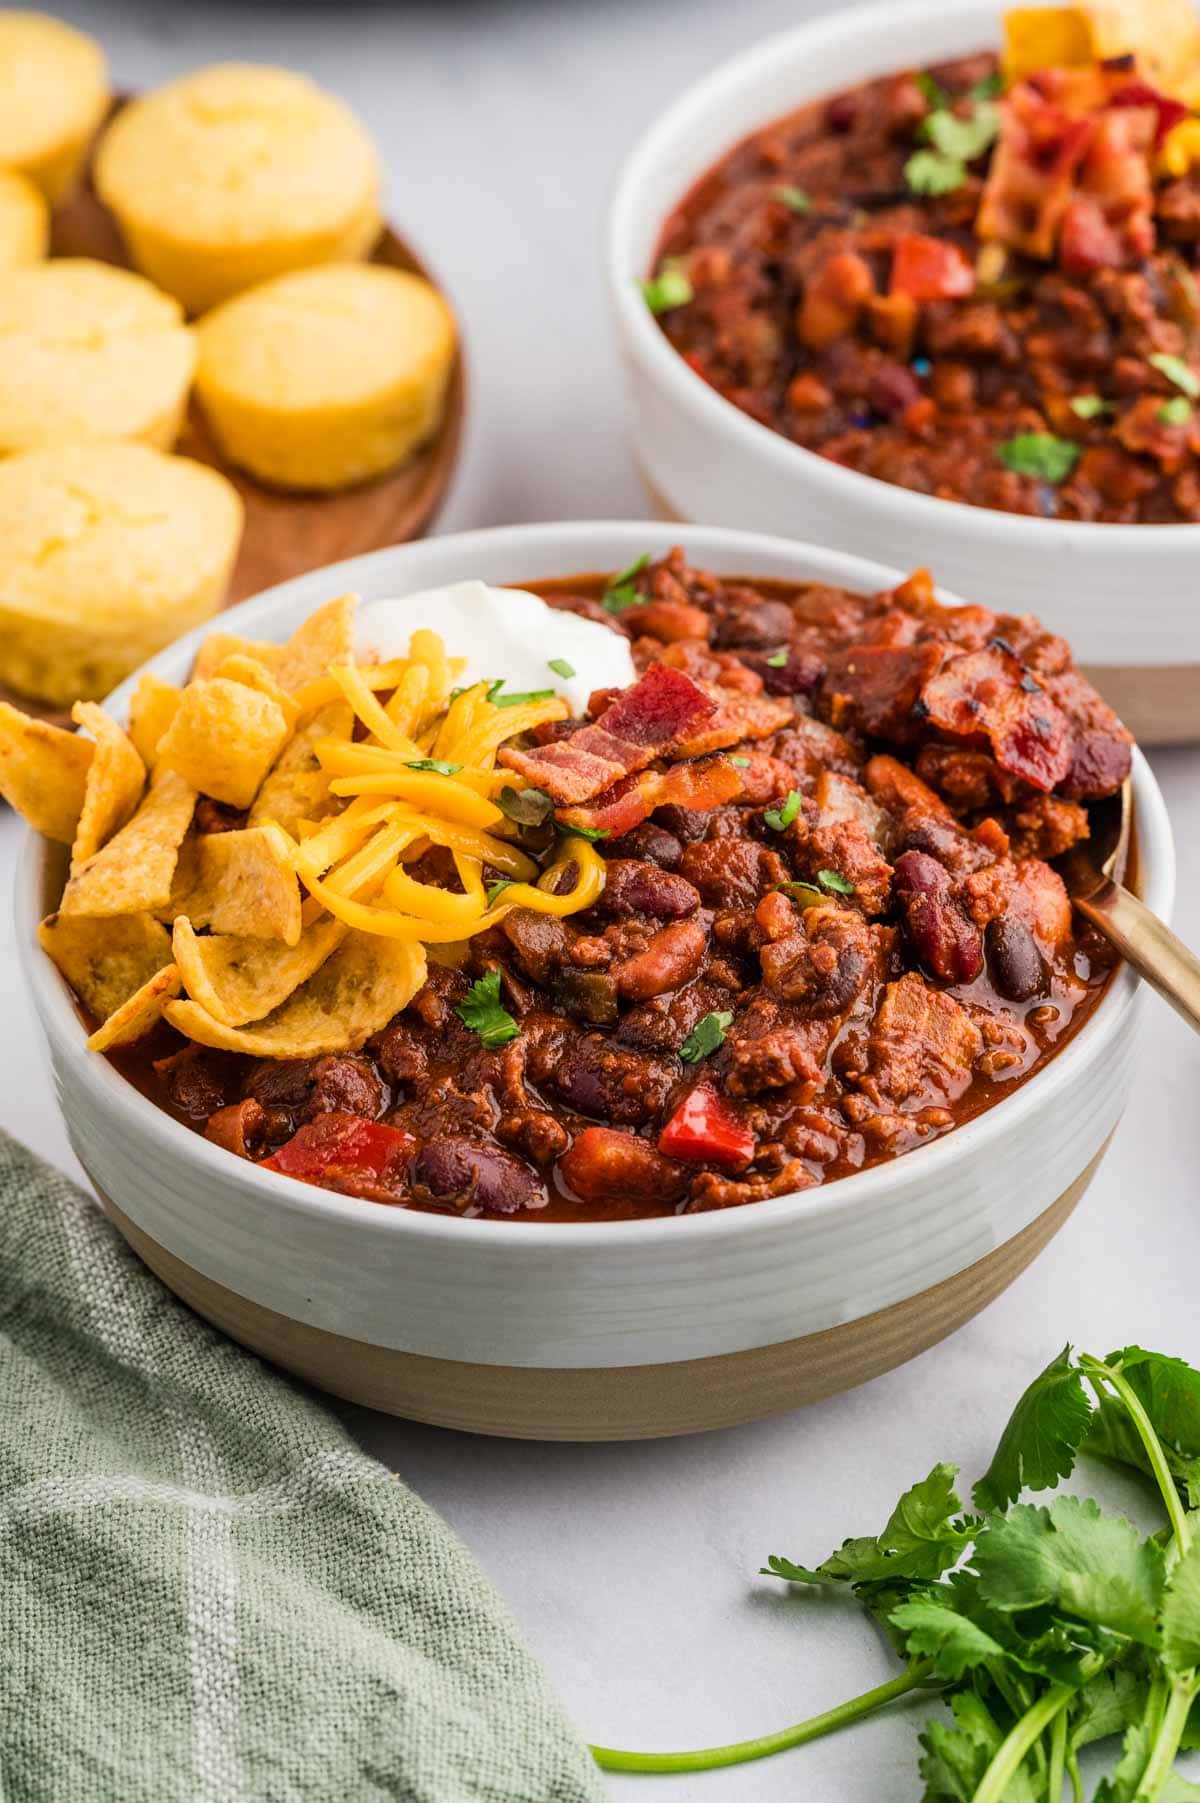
<point x="795" y="199"/>
<point x="496" y="890"/>
<point x="588" y="832"/>
<point x="1177" y="371"/>
<point x="1169" y="1391"/>
<point x="957" y="1758"/>
<point x="1089" y="406"/>
<point x="482" y="1010"/>
<point x="438" y="764"/>
<point x="561" y="667"/>
<point x="1175" y="412"/>
<point x="835" y="882"/>
<point x="519" y="696"/>
<point x="1107" y="1705"/>
<point x="1181" y="1614"/>
<point x="923" y="1537"/>
<point x="935" y="94"/>
<point x="779" y="819"/>
<point x="671" y="287"/>
<point x="740" y="763"/>
<point x="1043" y="1435"/>
<point x="706" y="1037"/>
<point x="1124" y="1781"/>
<point x="962" y="140"/>
<point x="777" y="660"/>
<point x="929" y="172"/>
<point x="954" y="1642"/>
<point x="1073" y="1559"/>
<point x="806" y="895"/>
<point x="525" y="807"/>
<point x="622" y="591"/>
<point x="1039" y="454"/>
<point x="989" y="88"/>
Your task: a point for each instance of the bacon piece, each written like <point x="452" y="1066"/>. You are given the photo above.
<point x="876" y="687"/>
<point x="990" y="694"/>
<point x="647" y="718"/>
<point x="699" y="786"/>
<point x="1032" y="174"/>
<point x="1168" y="112"/>
<point x="737" y="717"/>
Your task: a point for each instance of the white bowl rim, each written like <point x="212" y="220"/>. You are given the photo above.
<point x="903" y="506"/>
<point x="283" y="1194"/>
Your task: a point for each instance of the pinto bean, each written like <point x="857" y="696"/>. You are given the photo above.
<point x="754" y="623"/>
<point x="635" y="886"/>
<point x="1016" y="964"/>
<point x="602" y="1163"/>
<point x="672" y="957"/>
<point x="451" y="1169"/>
<point x="240" y="1127"/>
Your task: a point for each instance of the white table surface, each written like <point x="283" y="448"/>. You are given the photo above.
<point x="631" y="1568"/>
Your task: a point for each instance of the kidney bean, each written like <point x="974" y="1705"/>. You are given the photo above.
<point x="635" y="886"/>
<point x="449" y="1169"/>
<point x="754" y="624"/>
<point x="672" y="957"/>
<point x="1015" y="961"/>
<point x="648" y="841"/>
<point x="917" y="873"/>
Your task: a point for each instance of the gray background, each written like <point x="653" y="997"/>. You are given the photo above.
<point x="631" y="1569"/>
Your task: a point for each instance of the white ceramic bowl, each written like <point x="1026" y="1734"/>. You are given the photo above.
<point x="1126" y="596"/>
<point x="591" y="1330"/>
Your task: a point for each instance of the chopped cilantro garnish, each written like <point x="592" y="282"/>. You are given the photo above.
<point x="963" y="139"/>
<point x="561" y="667"/>
<point x="518" y="698"/>
<point x="836" y="883"/>
<point x="496" y="890"/>
<point x="482" y="1011"/>
<point x="706" y="1037"/>
<point x="779" y="819"/>
<point x="1039" y="454"/>
<point x="929" y="172"/>
<point x="795" y="199"/>
<point x="525" y="807"/>
<point x="777" y="660"/>
<point x="671" y="287"/>
<point x="1177" y="371"/>
<point x="1089" y="406"/>
<point x="1175" y="412"/>
<point x="990" y="88"/>
<point x="438" y="764"/>
<point x="933" y="90"/>
<point x="622" y="590"/>
<point x="740" y="763"/>
<point x="588" y="832"/>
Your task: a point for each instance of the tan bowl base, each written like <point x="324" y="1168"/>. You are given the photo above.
<point x="1160" y="704"/>
<point x="632" y="1402"/>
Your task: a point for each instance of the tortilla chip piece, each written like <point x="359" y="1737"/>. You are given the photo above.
<point x="1162" y="34"/>
<point x="296" y="788"/>
<point x="236" y="979"/>
<point x="217" y="646"/>
<point x="134" y="871"/>
<point x="326" y="637"/>
<point x="43" y="772"/>
<point x="223" y="739"/>
<point x="143" y="1011"/>
<point x="239" y="666"/>
<point x="115" y="776"/>
<point x="356" y="992"/>
<point x="246" y="882"/>
<point x="105" y="959"/>
<point x="152" y="709"/>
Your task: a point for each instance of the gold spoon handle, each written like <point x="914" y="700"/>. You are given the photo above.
<point x="1149" y="946"/>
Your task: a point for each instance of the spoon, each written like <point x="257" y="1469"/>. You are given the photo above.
<point x="1092" y="871"/>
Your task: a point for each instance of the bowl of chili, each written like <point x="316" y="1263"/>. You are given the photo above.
<point x="831" y="1113"/>
<point x="818" y="342"/>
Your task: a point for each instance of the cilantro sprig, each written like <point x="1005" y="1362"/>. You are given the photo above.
<point x="622" y="591"/>
<point x="779" y="819"/>
<point x="957" y="141"/>
<point x="670" y="287"/>
<point x="482" y="1010"/>
<point x="1039" y="454"/>
<point x="439" y="765"/>
<point x="1045" y="1628"/>
<point x="1177" y="371"/>
<point x="706" y="1037"/>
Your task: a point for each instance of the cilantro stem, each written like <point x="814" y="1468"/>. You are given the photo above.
<point x="1075" y="1776"/>
<point x="1010" y="1754"/>
<point x="707" y="1759"/>
<point x="1166" y="1742"/>
<point x="1152" y="1444"/>
<point x="1058" y="1758"/>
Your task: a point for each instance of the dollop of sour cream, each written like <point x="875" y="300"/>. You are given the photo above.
<point x="503" y="633"/>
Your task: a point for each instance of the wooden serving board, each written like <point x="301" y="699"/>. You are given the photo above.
<point x="287" y="534"/>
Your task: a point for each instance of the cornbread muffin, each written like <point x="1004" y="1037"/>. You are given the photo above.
<point x="24" y="221"/>
<point x="89" y="351"/>
<point x="234" y="174"/>
<point x="107" y="552"/>
<point x="53" y="96"/>
<point x="327" y="377"/>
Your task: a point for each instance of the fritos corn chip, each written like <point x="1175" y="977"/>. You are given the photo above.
<point x="115" y="776"/>
<point x="223" y="739"/>
<point x="135" y="1017"/>
<point x="133" y="872"/>
<point x="43" y="773"/>
<point x="151" y="710"/>
<point x="105" y="959"/>
<point x="296" y="788"/>
<point x="215" y="647"/>
<point x="325" y="638"/>
<point x="237" y="979"/>
<point x="245" y="882"/>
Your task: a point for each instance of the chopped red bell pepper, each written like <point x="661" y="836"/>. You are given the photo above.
<point x="345" y="1152"/>
<point x="704" y="1130"/>
<point x="929" y="269"/>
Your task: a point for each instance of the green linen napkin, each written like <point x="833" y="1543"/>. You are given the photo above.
<point x="207" y="1592"/>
